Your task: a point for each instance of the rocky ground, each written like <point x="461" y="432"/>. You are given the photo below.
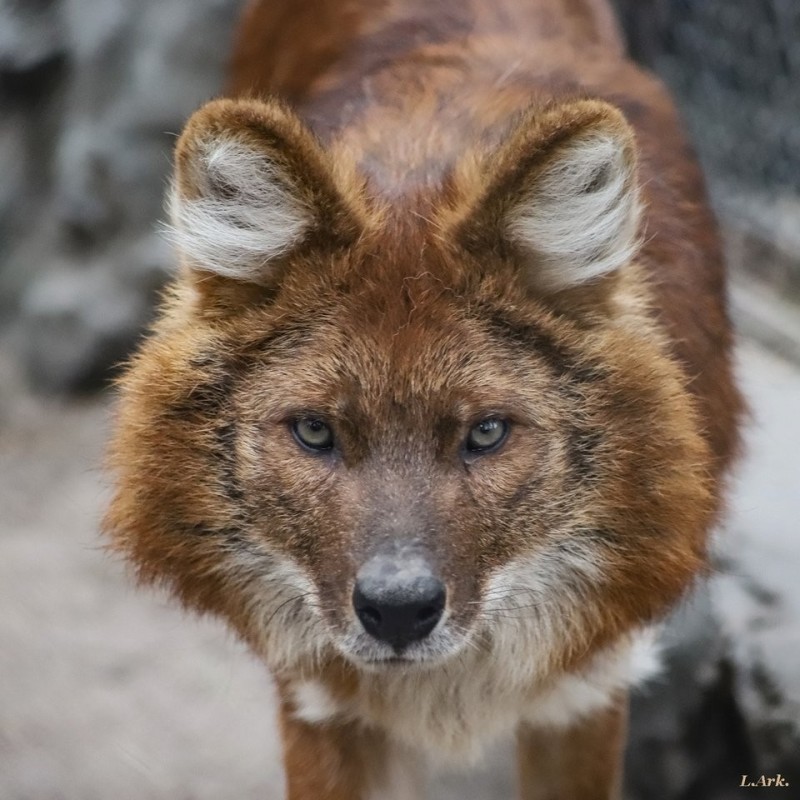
<point x="106" y="692"/>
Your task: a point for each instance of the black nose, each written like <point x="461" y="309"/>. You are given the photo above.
<point x="398" y="603"/>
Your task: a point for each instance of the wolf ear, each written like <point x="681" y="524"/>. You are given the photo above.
<point x="560" y="195"/>
<point x="251" y="186"/>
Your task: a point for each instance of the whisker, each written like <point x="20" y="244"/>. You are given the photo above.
<point x="293" y="599"/>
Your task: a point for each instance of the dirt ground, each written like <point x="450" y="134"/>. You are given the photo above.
<point x="109" y="692"/>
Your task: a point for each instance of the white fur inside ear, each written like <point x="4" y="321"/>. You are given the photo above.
<point x="247" y="212"/>
<point x="580" y="219"/>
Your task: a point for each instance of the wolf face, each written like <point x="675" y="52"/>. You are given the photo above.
<point x="398" y="434"/>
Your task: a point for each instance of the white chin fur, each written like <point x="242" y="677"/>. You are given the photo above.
<point x="501" y="675"/>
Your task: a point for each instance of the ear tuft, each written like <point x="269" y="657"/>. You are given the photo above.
<point x="252" y="185"/>
<point x="562" y="194"/>
<point x="245" y="212"/>
<point x="579" y="219"/>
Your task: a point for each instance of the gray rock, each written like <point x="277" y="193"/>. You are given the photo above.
<point x="734" y="67"/>
<point x="758" y="596"/>
<point x="78" y="321"/>
<point x="32" y="66"/>
<point x="31" y="32"/>
<point x="85" y="186"/>
<point x="729" y="701"/>
<point x="687" y="737"/>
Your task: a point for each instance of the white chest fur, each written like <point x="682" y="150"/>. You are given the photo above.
<point x="455" y="710"/>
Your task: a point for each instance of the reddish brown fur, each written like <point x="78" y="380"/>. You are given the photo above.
<point x="404" y="316"/>
<point x="583" y="762"/>
<point x="521" y="55"/>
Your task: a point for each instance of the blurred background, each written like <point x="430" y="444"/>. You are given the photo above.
<point x="110" y="693"/>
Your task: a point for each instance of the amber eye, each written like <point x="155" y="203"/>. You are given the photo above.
<point x="312" y="433"/>
<point x="487" y="435"/>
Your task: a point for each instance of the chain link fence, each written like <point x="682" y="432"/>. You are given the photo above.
<point x="734" y="67"/>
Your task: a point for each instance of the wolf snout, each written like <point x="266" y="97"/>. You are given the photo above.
<point x="398" y="600"/>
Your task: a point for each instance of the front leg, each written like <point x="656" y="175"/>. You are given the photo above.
<point x="341" y="760"/>
<point x="582" y="762"/>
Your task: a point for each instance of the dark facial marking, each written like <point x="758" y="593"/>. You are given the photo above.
<point x="583" y="444"/>
<point x="225" y="453"/>
<point x="204" y="399"/>
<point x="573" y="377"/>
<point x="531" y="338"/>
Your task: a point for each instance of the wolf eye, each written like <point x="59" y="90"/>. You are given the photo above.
<point x="487" y="435"/>
<point x="313" y="433"/>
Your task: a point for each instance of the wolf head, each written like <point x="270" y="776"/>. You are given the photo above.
<point x="392" y="430"/>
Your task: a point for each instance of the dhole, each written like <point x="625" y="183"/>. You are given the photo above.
<point x="437" y="413"/>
